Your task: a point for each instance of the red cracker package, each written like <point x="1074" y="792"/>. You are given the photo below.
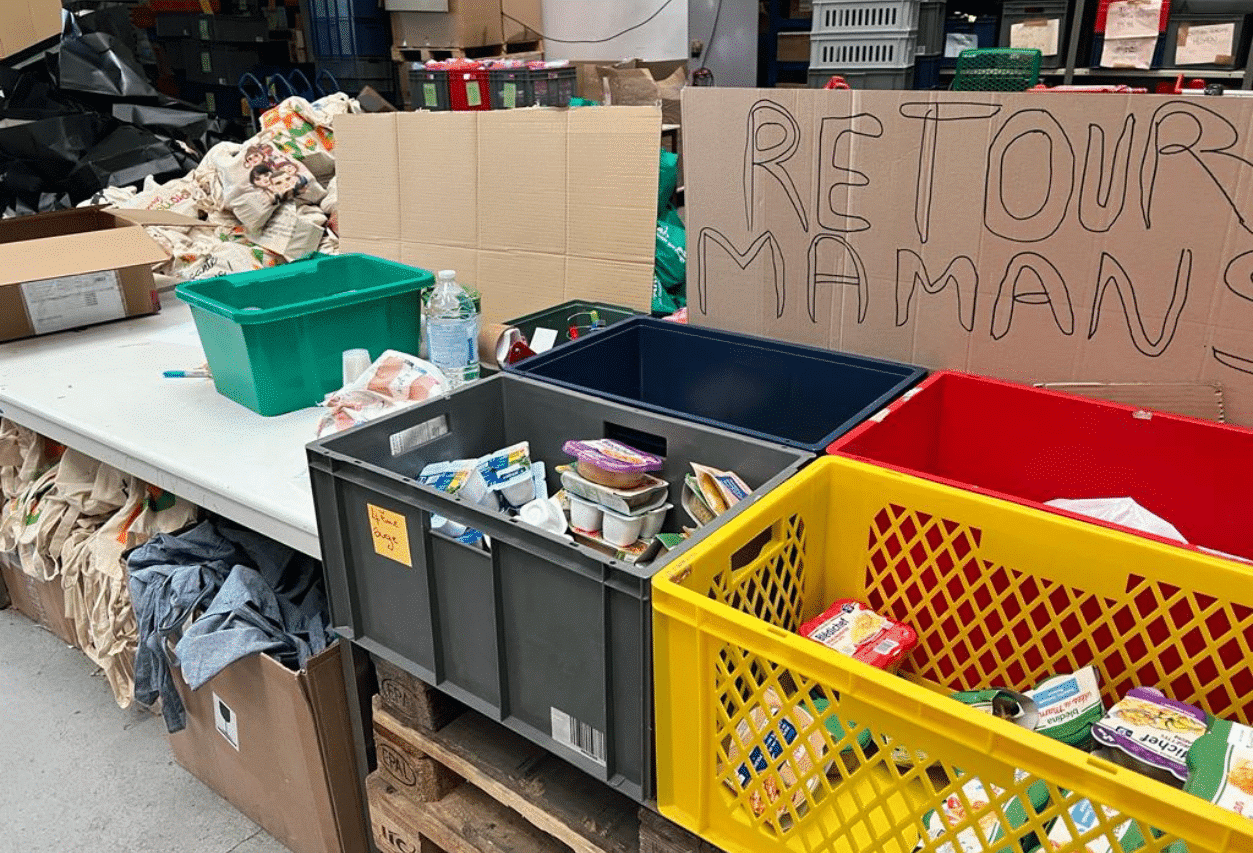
<point x="853" y="629"/>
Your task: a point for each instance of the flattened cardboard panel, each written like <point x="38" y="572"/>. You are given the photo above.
<point x="27" y="22"/>
<point x="1036" y="237"/>
<point x="519" y="282"/>
<point x="615" y="282"/>
<point x="608" y="150"/>
<point x="523" y="147"/>
<point x="436" y="258"/>
<point x="514" y="201"/>
<point x="382" y="248"/>
<point x="368" y="176"/>
<point x="439" y="178"/>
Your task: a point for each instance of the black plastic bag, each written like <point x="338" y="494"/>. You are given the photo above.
<point x="124" y="158"/>
<point x="99" y="64"/>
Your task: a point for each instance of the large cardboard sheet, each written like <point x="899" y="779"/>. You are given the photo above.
<point x="533" y="207"/>
<point x="1038" y="237"/>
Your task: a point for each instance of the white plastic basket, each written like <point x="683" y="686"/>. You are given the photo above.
<point x="840" y="16"/>
<point x="859" y="51"/>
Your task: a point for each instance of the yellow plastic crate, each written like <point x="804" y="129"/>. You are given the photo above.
<point x="1000" y="595"/>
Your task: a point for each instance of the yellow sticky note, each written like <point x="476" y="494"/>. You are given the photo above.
<point x="390" y="535"/>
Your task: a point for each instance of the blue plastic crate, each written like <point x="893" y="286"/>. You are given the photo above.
<point x="927" y="72"/>
<point x="795" y="395"/>
<point x="983" y="31"/>
<point x="348" y="28"/>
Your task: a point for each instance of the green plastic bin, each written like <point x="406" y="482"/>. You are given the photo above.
<point x="275" y="338"/>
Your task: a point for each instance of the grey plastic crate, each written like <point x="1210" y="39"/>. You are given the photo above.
<point x="863" y="51"/>
<point x="1020" y="11"/>
<point x="553" y="87"/>
<point x="1239" y="42"/>
<point x="510" y="87"/>
<point x="931" y="27"/>
<point x="428" y="88"/>
<point x="538" y="626"/>
<point x="894" y="78"/>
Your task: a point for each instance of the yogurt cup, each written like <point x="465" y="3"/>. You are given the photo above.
<point x="545" y="515"/>
<point x="653" y="519"/>
<point x="587" y="516"/>
<point x="618" y="529"/>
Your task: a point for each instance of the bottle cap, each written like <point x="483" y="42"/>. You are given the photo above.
<point x="447" y="275"/>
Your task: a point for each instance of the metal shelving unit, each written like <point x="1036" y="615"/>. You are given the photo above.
<point x="1070" y="72"/>
<point x="769" y="66"/>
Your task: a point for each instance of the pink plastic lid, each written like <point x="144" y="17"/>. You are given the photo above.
<point x="610" y="455"/>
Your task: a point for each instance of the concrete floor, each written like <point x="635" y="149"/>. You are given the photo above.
<point x="78" y="773"/>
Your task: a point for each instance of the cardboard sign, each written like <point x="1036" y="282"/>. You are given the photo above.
<point x="1037" y="237"/>
<point x="390" y="534"/>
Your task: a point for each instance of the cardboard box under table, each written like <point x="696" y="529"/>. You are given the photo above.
<point x="77" y="267"/>
<point x="277" y="745"/>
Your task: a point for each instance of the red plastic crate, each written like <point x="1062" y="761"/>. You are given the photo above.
<point x="183" y="6"/>
<point x="1028" y="446"/>
<point x="468" y="86"/>
<point x="1103" y="8"/>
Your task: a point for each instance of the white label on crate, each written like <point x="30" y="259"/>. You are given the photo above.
<point x="54" y="304"/>
<point x="1128" y="53"/>
<point x="1041" y="35"/>
<point x="955" y="43"/>
<point x="415" y="436"/>
<point x="580" y="737"/>
<point x="1133" y="19"/>
<point x="542" y="340"/>
<point x="225" y="721"/>
<point x="1204" y="45"/>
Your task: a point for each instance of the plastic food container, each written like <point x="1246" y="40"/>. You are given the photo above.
<point x="275" y="338"/>
<point x="586" y="516"/>
<point x="618" y="529"/>
<point x="625" y="501"/>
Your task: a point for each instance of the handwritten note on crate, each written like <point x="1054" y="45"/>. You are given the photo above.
<point x="1133" y="19"/>
<point x="1128" y="52"/>
<point x="390" y="534"/>
<point x="1037" y="34"/>
<point x="1205" y="45"/>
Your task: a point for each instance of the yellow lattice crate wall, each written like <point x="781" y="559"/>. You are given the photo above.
<point x="1000" y="595"/>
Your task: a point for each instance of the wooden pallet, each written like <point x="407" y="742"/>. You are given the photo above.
<point x="411" y="700"/>
<point x="470" y="785"/>
<point x="465" y="821"/>
<point x="525" y="50"/>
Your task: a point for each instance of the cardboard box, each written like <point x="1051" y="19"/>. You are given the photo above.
<point x="27" y="22"/>
<point x="277" y="745"/>
<point x="469" y="23"/>
<point x="75" y="268"/>
<point x="532" y="207"/>
<point x="1035" y="238"/>
<point x="42" y="602"/>
<point x="1194" y="399"/>
<point x="793" y="47"/>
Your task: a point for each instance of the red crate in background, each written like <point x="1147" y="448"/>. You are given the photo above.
<point x="468" y="87"/>
<point x="1103" y="8"/>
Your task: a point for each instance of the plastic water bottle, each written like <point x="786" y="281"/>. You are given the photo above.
<point x="452" y="330"/>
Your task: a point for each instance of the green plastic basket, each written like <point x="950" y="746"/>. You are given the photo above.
<point x="997" y="69"/>
<point x="275" y="338"/>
